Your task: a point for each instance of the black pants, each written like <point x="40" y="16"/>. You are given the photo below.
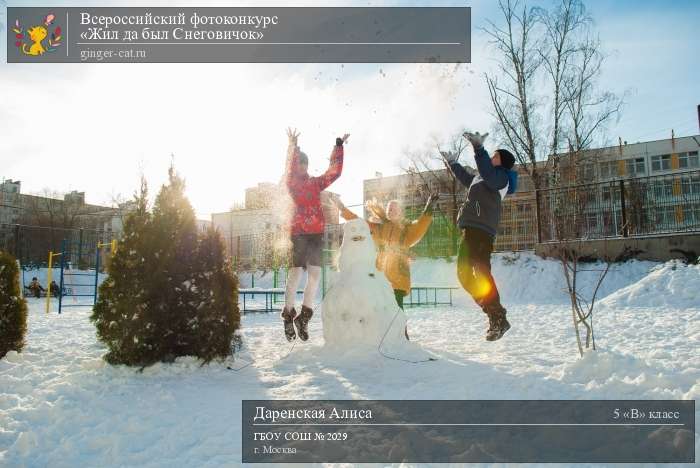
<point x="307" y="250"/>
<point x="474" y="268"/>
<point x="399" y="294"/>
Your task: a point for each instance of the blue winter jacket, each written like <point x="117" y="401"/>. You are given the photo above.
<point x="482" y="208"/>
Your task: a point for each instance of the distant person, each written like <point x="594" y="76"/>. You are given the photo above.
<point x="54" y="289"/>
<point x="307" y="226"/>
<point x="393" y="236"/>
<point x="478" y="219"/>
<point x="35" y="287"/>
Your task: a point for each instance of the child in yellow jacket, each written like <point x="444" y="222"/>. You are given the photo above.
<point x="394" y="236"/>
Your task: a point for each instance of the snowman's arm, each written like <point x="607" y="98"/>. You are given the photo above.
<point x="417" y="229"/>
<point x="347" y="214"/>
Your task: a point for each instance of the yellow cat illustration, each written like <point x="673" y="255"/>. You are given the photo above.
<point x="36" y="35"/>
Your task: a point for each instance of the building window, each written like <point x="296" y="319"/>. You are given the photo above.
<point x="609" y="192"/>
<point x="591" y="223"/>
<point x="524" y="208"/>
<point x="506" y="230"/>
<point x="663" y="189"/>
<point x="691" y="215"/>
<point x="608" y="169"/>
<point x="661" y="162"/>
<point x="665" y="216"/>
<point x="688" y="160"/>
<point x="635" y="166"/>
<point x="589" y="172"/>
<point x="522" y="229"/>
<point x="691" y="185"/>
<point x="524" y="183"/>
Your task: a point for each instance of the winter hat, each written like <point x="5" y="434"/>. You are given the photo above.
<point x="303" y="158"/>
<point x="507" y="158"/>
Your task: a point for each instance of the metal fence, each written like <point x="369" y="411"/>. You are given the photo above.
<point x="31" y="244"/>
<point x="618" y="208"/>
<point x="270" y="250"/>
<point x="642" y="206"/>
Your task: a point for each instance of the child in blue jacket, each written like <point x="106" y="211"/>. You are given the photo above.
<point x="478" y="219"/>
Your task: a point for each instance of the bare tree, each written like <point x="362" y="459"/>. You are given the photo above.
<point x="561" y="28"/>
<point x="570" y="209"/>
<point x="428" y="168"/>
<point x="545" y="96"/>
<point x="581" y="307"/>
<point x="544" y="91"/>
<point x="587" y="109"/>
<point x="512" y="87"/>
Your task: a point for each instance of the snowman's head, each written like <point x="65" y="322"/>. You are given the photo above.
<point x="358" y="248"/>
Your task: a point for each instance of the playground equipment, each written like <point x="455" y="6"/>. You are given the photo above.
<point x="72" y="289"/>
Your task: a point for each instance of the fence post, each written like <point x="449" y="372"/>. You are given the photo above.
<point x="324" y="254"/>
<point x="17" y="242"/>
<point x="238" y="248"/>
<point x="537" y="216"/>
<point x="625" y="228"/>
<point x="97" y="272"/>
<point x="80" y="246"/>
<point x="63" y="265"/>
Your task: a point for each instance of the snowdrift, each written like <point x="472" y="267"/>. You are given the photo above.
<point x="669" y="285"/>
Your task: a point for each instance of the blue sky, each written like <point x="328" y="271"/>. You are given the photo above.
<point x="225" y="123"/>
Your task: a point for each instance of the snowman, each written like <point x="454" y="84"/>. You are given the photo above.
<point x="359" y="312"/>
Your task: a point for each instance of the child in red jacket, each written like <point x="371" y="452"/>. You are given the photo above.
<point x="306" y="230"/>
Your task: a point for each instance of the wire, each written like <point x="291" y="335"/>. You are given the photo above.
<point x="683" y="123"/>
<point x="379" y="348"/>
<point x="252" y="361"/>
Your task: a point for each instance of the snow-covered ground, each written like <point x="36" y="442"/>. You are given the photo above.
<point x="61" y="405"/>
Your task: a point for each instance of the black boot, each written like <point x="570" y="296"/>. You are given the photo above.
<point x="288" y="317"/>
<point x="498" y="324"/>
<point x="302" y="322"/>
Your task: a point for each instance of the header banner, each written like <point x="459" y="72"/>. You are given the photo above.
<point x="239" y="35"/>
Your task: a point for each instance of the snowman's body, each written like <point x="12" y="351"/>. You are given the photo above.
<point x="360" y="312"/>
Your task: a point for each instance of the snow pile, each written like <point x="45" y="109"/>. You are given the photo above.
<point x="670" y="285"/>
<point x="608" y="373"/>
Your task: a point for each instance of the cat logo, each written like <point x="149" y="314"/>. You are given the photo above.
<point x="31" y="41"/>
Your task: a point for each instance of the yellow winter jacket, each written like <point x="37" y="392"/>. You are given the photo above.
<point x="393" y="240"/>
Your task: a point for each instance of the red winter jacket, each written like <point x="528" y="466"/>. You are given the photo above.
<point x="307" y="217"/>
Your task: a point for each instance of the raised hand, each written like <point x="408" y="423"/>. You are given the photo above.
<point x="476" y="139"/>
<point x="293" y="135"/>
<point x="340" y="141"/>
